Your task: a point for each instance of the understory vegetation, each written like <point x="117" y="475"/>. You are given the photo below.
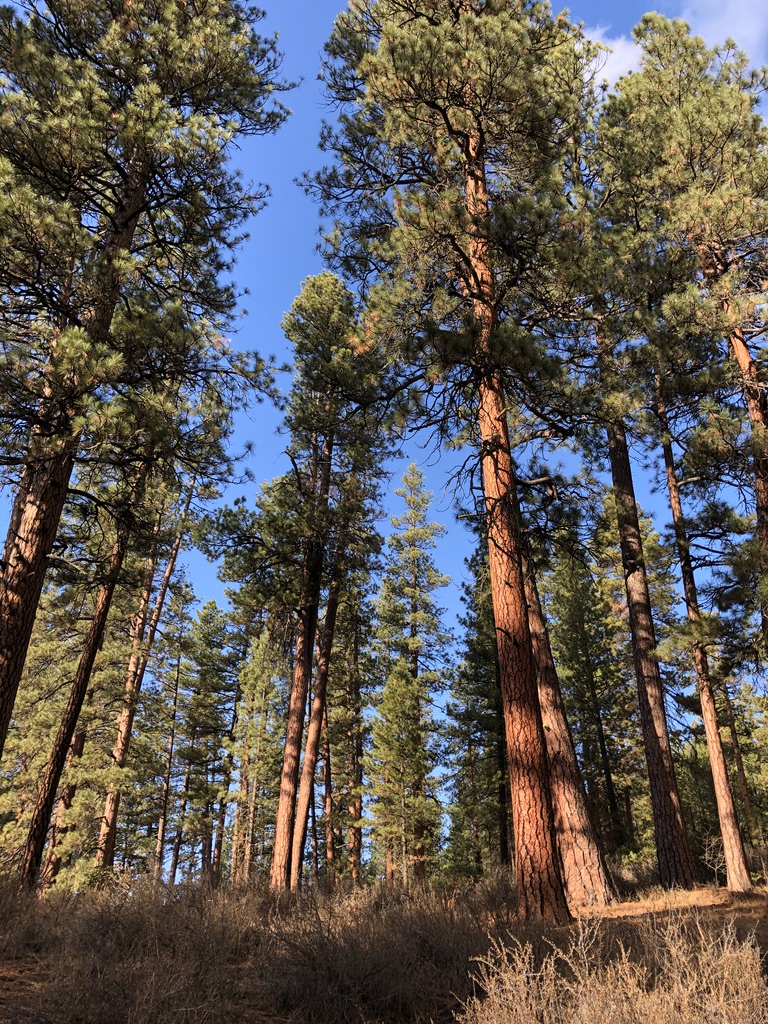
<point x="150" y="954"/>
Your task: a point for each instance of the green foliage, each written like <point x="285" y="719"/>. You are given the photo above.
<point x="419" y="86"/>
<point x="411" y="644"/>
<point x="476" y="747"/>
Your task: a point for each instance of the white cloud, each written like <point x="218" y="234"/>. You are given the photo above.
<point x="745" y="21"/>
<point x="624" y="54"/>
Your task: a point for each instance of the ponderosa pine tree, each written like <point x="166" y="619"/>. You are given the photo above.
<point x="114" y="129"/>
<point x="412" y="647"/>
<point x="737" y="874"/>
<point x="455" y="120"/>
<point x="687" y="151"/>
<point x="333" y="432"/>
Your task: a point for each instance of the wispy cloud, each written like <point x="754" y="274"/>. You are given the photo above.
<point x="622" y="56"/>
<point x="745" y="21"/>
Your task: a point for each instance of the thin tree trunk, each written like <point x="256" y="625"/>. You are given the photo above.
<point x="240" y="823"/>
<point x="330" y="835"/>
<point x="587" y="881"/>
<point x="52" y="864"/>
<point x="738" y="879"/>
<point x="165" y="796"/>
<point x="355" y="767"/>
<point x="741" y="774"/>
<point x="314" y="730"/>
<point x="311" y="586"/>
<point x="49" y="784"/>
<point x="178" y="838"/>
<point x="140" y="650"/>
<point x="617" y="834"/>
<point x="676" y="867"/>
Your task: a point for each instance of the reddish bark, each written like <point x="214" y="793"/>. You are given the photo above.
<point x="306" y="629"/>
<point x="585" y="873"/>
<point x="142" y="639"/>
<point x="32" y="531"/>
<point x="539" y="886"/>
<point x="49" y="783"/>
<point x="314" y="731"/>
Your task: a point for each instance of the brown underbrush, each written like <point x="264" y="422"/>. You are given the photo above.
<point x="132" y="953"/>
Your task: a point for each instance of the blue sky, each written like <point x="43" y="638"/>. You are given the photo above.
<point x="281" y="250"/>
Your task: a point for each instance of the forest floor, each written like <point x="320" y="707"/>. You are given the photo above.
<point x="150" y="957"/>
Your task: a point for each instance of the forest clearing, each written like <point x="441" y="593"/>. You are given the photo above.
<point x="301" y="791"/>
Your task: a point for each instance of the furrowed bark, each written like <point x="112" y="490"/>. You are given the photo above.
<point x="585" y="873"/>
<point x="539" y="886"/>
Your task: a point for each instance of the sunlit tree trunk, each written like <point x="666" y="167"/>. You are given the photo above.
<point x="306" y="628"/>
<point x="539" y="885"/>
<point x="314" y="731"/>
<point x="585" y="873"/>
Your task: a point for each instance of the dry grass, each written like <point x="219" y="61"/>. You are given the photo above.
<point x="669" y="972"/>
<point x="148" y="955"/>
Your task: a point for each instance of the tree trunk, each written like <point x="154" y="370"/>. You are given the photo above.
<point x="137" y="665"/>
<point x="540" y="891"/>
<point x="330" y="831"/>
<point x="587" y="882"/>
<point x="618" y="832"/>
<point x="539" y="886"/>
<point x="738" y="879"/>
<point x="314" y="730"/>
<point x="49" y="784"/>
<point x="355" y="765"/>
<point x="32" y="531"/>
<point x="739" y="762"/>
<point x="165" y="795"/>
<point x="240" y="823"/>
<point x="48" y="466"/>
<point x="311" y="586"/>
<point x="179" y="837"/>
<point x="52" y="864"/>
<point x="676" y="867"/>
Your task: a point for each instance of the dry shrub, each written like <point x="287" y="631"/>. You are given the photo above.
<point x="142" y="954"/>
<point x="374" y="956"/>
<point x="662" y="972"/>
